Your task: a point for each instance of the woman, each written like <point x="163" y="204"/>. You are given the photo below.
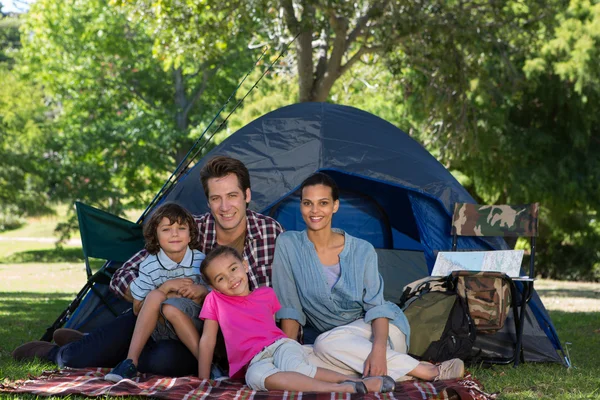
<point x="328" y="280"/>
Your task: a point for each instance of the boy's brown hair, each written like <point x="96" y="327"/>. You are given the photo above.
<point x="220" y="166"/>
<point x="175" y="213"/>
<point x="216" y="253"/>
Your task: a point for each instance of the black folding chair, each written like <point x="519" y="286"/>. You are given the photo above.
<point x="103" y="236"/>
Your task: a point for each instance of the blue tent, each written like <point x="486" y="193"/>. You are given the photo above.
<point x="394" y="194"/>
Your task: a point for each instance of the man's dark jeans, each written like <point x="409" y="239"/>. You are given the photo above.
<point x="108" y="345"/>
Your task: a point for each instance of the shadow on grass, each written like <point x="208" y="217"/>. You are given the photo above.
<point x="586" y="294"/>
<point x="54" y="255"/>
<point x="23" y="308"/>
<point x="25" y="316"/>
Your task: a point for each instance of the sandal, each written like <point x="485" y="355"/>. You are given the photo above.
<point x="387" y="383"/>
<point x="359" y="386"/>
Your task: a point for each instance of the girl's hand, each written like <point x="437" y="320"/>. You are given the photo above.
<point x="376" y="362"/>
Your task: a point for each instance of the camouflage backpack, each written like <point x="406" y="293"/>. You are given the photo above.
<point x="488" y="296"/>
<point x="441" y="327"/>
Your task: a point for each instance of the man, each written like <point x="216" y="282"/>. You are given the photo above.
<point x="226" y="184"/>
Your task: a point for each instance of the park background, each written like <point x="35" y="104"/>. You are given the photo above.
<point x="101" y="99"/>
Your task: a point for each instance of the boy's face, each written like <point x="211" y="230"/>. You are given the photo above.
<point x="173" y="238"/>
<point x="227" y="202"/>
<point x="228" y="275"/>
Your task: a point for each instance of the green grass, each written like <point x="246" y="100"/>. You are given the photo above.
<point x="39" y="227"/>
<point x="31" y="298"/>
<point x="550" y="381"/>
<point x="38" y="282"/>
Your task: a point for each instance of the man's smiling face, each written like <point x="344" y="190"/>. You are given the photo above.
<point x="228" y="203"/>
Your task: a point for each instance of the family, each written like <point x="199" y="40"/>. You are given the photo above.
<point x="230" y="291"/>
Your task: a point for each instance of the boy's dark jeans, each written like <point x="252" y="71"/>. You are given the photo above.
<point x="108" y="345"/>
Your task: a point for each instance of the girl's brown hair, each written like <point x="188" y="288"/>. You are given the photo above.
<point x="175" y="213"/>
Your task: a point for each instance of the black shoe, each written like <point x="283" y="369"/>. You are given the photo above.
<point x="359" y="386"/>
<point x="31" y="350"/>
<point x="125" y="370"/>
<point x="63" y="336"/>
<point x="387" y="383"/>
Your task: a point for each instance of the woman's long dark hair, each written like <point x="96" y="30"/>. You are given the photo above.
<point x="319" y="178"/>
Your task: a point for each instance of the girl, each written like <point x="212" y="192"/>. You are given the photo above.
<point x="253" y="341"/>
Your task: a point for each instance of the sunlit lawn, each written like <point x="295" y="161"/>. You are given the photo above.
<point x="34" y="290"/>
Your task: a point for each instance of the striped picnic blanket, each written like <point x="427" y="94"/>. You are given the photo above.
<point x="90" y="382"/>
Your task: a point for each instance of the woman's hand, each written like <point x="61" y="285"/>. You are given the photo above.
<point x="376" y="362"/>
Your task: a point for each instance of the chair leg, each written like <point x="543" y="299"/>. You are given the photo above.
<point x="47" y="337"/>
<point x="516" y="320"/>
<point x="527" y="289"/>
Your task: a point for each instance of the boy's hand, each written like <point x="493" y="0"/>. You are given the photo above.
<point x="174" y="285"/>
<point x="194" y="292"/>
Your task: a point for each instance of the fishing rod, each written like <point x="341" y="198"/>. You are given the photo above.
<point x="181" y="168"/>
<point x="241" y="101"/>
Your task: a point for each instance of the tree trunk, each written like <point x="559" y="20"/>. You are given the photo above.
<point x="305" y="66"/>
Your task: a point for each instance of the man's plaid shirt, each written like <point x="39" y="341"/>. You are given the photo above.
<point x="259" y="249"/>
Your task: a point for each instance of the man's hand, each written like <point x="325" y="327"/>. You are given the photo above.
<point x="194" y="292"/>
<point x="128" y="295"/>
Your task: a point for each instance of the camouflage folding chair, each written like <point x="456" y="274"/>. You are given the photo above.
<point x="505" y="221"/>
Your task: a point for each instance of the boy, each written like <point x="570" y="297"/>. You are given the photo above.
<point x="168" y="291"/>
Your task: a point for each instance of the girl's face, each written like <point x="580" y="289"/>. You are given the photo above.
<point x="173" y="238"/>
<point x="317" y="207"/>
<point x="228" y="275"/>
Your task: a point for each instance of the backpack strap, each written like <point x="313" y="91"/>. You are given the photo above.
<point x="426" y="285"/>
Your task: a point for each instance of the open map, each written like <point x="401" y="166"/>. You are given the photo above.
<point x="507" y="261"/>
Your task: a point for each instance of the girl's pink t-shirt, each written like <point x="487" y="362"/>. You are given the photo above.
<point x="247" y="323"/>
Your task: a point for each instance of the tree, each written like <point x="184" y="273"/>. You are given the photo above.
<point x="9" y="38"/>
<point x="22" y="142"/>
<point x="22" y="135"/>
<point x="512" y="107"/>
<point x="124" y="110"/>
<point x="331" y="37"/>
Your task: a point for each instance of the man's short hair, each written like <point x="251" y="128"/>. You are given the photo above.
<point x="220" y="166"/>
<point x="175" y="213"/>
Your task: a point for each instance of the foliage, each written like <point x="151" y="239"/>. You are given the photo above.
<point x="21" y="135"/>
<point x="330" y="37"/>
<point x="10" y="219"/>
<point x="123" y="110"/>
<point x="9" y="38"/>
<point x="105" y="96"/>
<point x="505" y="93"/>
<point x="22" y="143"/>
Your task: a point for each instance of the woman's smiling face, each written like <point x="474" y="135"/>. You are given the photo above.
<point x="317" y="206"/>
